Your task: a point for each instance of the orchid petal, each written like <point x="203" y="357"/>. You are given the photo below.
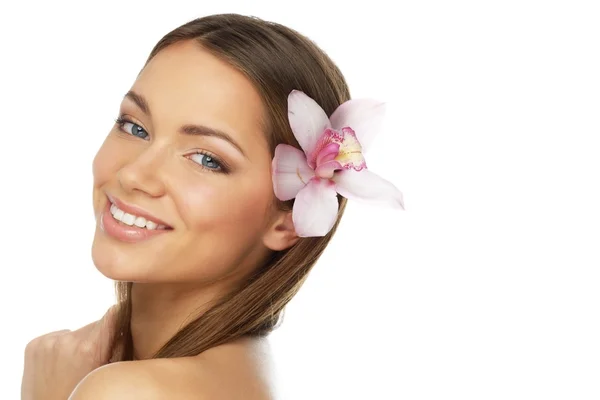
<point x="329" y="142"/>
<point x="367" y="186"/>
<point x="307" y="120"/>
<point x="290" y="171"/>
<point x="350" y="153"/>
<point x="326" y="170"/>
<point x="315" y="208"/>
<point x="328" y="153"/>
<point x="364" y="116"/>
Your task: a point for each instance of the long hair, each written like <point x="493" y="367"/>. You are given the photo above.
<point x="277" y="60"/>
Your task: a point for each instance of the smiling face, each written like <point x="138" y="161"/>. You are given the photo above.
<point x="189" y="153"/>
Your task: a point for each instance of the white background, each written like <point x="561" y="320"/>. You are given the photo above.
<point x="486" y="287"/>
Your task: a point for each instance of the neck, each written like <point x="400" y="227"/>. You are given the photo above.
<point x="160" y="310"/>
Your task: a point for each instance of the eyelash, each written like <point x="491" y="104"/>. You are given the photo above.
<point x="121" y="120"/>
<point x="223" y="168"/>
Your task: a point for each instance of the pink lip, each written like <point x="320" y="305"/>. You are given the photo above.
<point x="123" y="232"/>
<point x="136" y="211"/>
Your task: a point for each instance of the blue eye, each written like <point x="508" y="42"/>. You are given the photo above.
<point x="207" y="161"/>
<point x="136" y="130"/>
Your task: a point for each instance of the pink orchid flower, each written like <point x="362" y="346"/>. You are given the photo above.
<point x="332" y="162"/>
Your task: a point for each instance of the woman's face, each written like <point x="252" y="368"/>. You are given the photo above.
<point x="189" y="153"/>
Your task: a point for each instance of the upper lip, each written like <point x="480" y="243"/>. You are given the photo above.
<point x="137" y="211"/>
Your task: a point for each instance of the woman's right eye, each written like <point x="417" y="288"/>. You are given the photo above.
<point x="131" y="128"/>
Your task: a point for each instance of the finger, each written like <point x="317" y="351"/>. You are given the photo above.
<point x="40" y="343"/>
<point x="104" y="330"/>
<point x="56" y="333"/>
<point x="87" y="330"/>
<point x="93" y="330"/>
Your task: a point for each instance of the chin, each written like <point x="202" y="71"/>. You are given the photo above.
<point x="121" y="261"/>
<point x="121" y="253"/>
<point x="113" y="265"/>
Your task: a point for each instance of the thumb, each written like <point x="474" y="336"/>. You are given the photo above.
<point x="104" y="332"/>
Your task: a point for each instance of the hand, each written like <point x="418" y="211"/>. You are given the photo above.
<point x="56" y="362"/>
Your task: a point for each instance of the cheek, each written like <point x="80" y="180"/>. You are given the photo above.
<point x="101" y="167"/>
<point x="104" y="164"/>
<point x="226" y="204"/>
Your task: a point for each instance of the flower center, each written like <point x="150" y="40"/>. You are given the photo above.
<point x="336" y="150"/>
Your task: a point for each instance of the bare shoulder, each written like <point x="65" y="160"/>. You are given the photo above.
<point x="244" y="368"/>
<point x="238" y="370"/>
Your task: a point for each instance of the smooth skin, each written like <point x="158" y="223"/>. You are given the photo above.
<point x="218" y="198"/>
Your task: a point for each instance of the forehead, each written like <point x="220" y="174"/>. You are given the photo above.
<point x="184" y="83"/>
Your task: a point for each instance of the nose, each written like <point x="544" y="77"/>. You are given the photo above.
<point x="142" y="173"/>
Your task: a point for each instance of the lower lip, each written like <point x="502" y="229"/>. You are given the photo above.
<point x="123" y="232"/>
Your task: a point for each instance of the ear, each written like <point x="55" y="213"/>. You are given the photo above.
<point x="281" y="234"/>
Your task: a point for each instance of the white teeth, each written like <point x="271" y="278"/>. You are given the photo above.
<point x="150" y="225"/>
<point x="119" y="214"/>
<point x="140" y="222"/>
<point x="128" y="219"/>
<point x="131" y="219"/>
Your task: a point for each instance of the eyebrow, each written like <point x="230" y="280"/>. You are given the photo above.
<point x="188" y="129"/>
<point x="201" y="130"/>
<point x="140" y="101"/>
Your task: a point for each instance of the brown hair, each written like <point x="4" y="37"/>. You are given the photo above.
<point x="276" y="59"/>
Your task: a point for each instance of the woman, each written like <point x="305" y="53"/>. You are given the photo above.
<point x="215" y="193"/>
